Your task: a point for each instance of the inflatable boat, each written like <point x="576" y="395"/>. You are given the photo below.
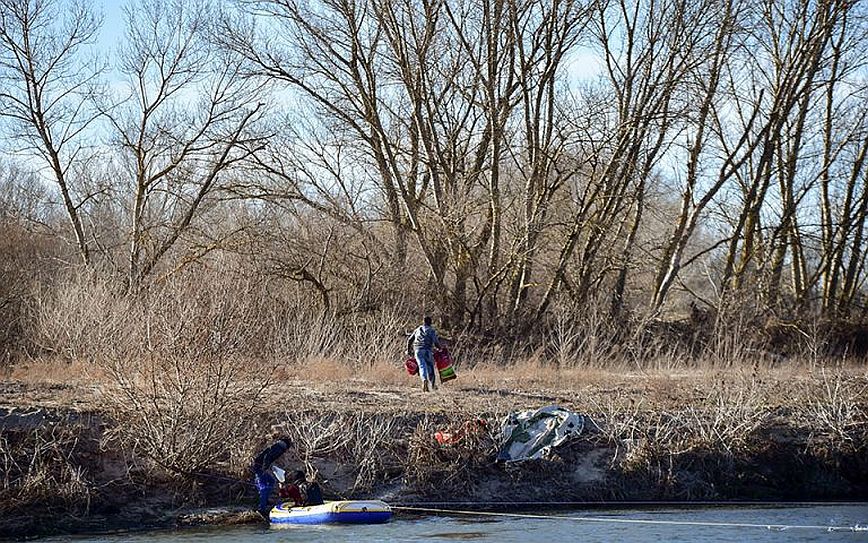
<point x="338" y="512"/>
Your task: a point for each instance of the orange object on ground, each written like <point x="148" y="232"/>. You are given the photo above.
<point x="445" y="437"/>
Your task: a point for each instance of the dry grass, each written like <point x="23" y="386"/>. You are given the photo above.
<point x="834" y="393"/>
<point x="319" y="368"/>
<point x="837" y="404"/>
<point x="55" y="370"/>
<point x="40" y="467"/>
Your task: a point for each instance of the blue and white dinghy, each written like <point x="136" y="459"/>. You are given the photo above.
<point x="337" y="512"/>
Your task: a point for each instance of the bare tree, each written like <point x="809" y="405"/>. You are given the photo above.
<point x="453" y="123"/>
<point x="48" y="84"/>
<point x="428" y="89"/>
<point x="795" y="42"/>
<point x="845" y="143"/>
<point x="330" y="56"/>
<point x="695" y="197"/>
<point x="541" y="50"/>
<point x="648" y="52"/>
<point x="188" y="118"/>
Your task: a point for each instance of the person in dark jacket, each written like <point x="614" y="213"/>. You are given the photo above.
<point x="262" y="477"/>
<point x="421" y="344"/>
<point x="310" y="490"/>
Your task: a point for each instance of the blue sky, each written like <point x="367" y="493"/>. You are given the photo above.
<point x="584" y="62"/>
<point x="113" y="23"/>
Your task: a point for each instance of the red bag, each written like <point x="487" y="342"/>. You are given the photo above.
<point x="442" y="359"/>
<point x="443" y="363"/>
<point x="411" y="366"/>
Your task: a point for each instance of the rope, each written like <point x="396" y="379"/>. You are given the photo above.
<point x="776" y="527"/>
<point x="638" y="503"/>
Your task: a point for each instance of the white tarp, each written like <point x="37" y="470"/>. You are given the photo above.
<point x="528" y="435"/>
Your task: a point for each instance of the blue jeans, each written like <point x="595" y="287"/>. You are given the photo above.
<point x="425" y="359"/>
<point x="265" y="485"/>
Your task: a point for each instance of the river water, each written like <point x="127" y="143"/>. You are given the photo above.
<point x="557" y="527"/>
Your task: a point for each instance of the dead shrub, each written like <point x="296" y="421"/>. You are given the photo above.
<point x="727" y="418"/>
<point x="81" y="319"/>
<point x="653" y="446"/>
<point x="28" y="258"/>
<point x="451" y="468"/>
<point x="835" y="408"/>
<point x="183" y="414"/>
<point x="580" y="336"/>
<point x="41" y="468"/>
<point x="362" y="445"/>
<point x="182" y="397"/>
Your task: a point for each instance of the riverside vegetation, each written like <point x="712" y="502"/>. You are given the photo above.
<point x="160" y="401"/>
<point x="651" y="212"/>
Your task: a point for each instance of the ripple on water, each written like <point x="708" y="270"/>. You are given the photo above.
<point x="460" y="536"/>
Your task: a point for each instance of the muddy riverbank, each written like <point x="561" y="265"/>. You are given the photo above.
<point x="679" y="438"/>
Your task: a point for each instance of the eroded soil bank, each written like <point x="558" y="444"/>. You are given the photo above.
<point x="674" y="438"/>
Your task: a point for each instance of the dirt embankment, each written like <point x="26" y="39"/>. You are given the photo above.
<point x="678" y="438"/>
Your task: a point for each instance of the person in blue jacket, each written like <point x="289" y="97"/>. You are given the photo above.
<point x="421" y="344"/>
<point x="262" y="477"/>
